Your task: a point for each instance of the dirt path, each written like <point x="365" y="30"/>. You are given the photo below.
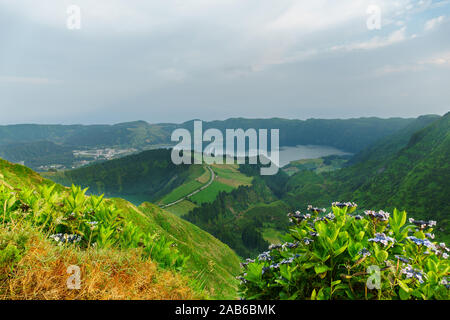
<point x="213" y="176"/>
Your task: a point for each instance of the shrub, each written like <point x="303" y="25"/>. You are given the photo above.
<point x="72" y="218"/>
<point x="341" y="255"/>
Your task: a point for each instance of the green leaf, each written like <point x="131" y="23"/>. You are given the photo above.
<point x="403" y="294"/>
<point x="321" y="268"/>
<point x="382" y="255"/>
<point x="404" y="286"/>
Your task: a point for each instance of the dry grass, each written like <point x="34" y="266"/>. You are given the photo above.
<point x="41" y="273"/>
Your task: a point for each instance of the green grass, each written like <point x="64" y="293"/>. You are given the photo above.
<point x="272" y="235"/>
<point x="230" y="175"/>
<point x="181" y="208"/>
<point x="211" y="262"/>
<point x="209" y="194"/>
<point x="186" y="188"/>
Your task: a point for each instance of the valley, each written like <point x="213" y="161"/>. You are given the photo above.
<point x="221" y="214"/>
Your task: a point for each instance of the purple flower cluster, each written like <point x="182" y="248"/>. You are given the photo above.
<point x="364" y="252"/>
<point x="344" y="204"/>
<point x="422" y="242"/>
<point x="380" y="215"/>
<point x="315" y="209"/>
<point x="403" y="259"/>
<point x="65" y="238"/>
<point x="423" y="224"/>
<point x="382" y="238"/>
<point x="246" y="263"/>
<point x="275" y="246"/>
<point x="290" y="245"/>
<point x="297" y="217"/>
<point x="242" y="279"/>
<point x="265" y="256"/>
<point x="328" y="217"/>
<point x="410" y="272"/>
<point x="445" y="283"/>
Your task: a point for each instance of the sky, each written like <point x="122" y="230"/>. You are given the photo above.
<point x="176" y="60"/>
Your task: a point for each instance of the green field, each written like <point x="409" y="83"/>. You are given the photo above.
<point x="181" y="208"/>
<point x="209" y="194"/>
<point x="273" y="236"/>
<point x="318" y="165"/>
<point x="227" y="179"/>
<point x="186" y="188"/>
<point x="230" y="175"/>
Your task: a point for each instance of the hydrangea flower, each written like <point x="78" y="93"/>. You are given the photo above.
<point x="422" y="242"/>
<point x="275" y="246"/>
<point x="380" y="215"/>
<point x="298" y="217"/>
<point x="402" y="259"/>
<point x="65" y="238"/>
<point x="315" y="209"/>
<point x="364" y="252"/>
<point x="290" y="245"/>
<point x="242" y="279"/>
<point x="445" y="282"/>
<point x="382" y="238"/>
<point x="265" y="256"/>
<point x="344" y="204"/>
<point x="246" y="263"/>
<point x="423" y="224"/>
<point x="413" y="273"/>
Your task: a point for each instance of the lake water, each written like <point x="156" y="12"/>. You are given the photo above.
<point x="288" y="154"/>
<point x="300" y="152"/>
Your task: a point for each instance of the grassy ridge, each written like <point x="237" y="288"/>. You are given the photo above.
<point x="214" y="256"/>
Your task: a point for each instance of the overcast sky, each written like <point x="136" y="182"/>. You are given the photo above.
<point x="175" y="60"/>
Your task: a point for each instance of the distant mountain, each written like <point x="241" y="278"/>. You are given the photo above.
<point x="36" y="154"/>
<point x="131" y="134"/>
<point x="409" y="170"/>
<point x="350" y="134"/>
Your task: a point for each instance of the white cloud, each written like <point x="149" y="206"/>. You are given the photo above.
<point x="433" y="23"/>
<point x="439" y="60"/>
<point x="376" y="42"/>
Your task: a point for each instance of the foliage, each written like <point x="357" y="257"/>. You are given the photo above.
<point x="410" y="171"/>
<point x="72" y="217"/>
<point x="212" y="264"/>
<point x="40" y="272"/>
<point x="334" y="256"/>
<point x="229" y="217"/>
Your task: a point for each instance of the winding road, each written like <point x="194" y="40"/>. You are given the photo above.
<point x="213" y="176"/>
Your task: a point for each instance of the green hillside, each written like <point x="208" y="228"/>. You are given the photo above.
<point x="146" y="176"/>
<point x="409" y="170"/>
<point x="213" y="267"/>
<point x="28" y="142"/>
<point x="39" y="153"/>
